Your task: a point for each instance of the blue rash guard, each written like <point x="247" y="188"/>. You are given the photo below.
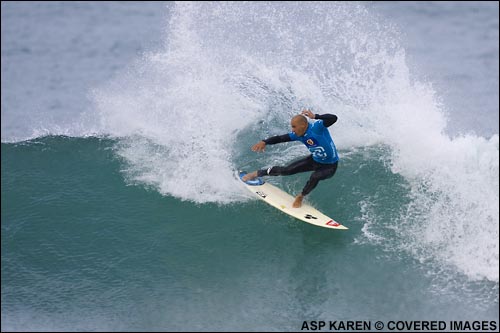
<point x="319" y="142"/>
<point x="316" y="138"/>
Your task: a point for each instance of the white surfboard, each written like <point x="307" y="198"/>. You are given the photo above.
<point x="283" y="201"/>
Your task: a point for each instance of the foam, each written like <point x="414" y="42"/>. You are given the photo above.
<point x="184" y="112"/>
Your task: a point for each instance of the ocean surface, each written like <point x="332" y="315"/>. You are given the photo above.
<point x="123" y="125"/>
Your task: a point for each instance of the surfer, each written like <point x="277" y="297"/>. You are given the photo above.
<point x="322" y="161"/>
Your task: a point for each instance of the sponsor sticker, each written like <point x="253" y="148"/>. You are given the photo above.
<point x="332" y="223"/>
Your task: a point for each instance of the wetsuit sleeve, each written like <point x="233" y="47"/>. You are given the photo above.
<point x="277" y="139"/>
<point x="328" y="119"/>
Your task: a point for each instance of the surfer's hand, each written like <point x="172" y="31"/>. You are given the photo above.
<point x="309" y="114"/>
<point x="259" y="146"/>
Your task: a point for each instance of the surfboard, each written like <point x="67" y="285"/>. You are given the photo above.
<point x="283" y="201"/>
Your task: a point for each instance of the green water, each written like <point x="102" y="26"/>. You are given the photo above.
<point x="82" y="249"/>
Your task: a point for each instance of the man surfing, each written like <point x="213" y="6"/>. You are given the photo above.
<point x="322" y="161"/>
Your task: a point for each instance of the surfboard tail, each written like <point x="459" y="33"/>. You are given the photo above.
<point x="336" y="225"/>
<point x="253" y="182"/>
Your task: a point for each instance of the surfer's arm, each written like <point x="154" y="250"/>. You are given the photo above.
<point x="277" y="139"/>
<point x="328" y="119"/>
<point x="261" y="145"/>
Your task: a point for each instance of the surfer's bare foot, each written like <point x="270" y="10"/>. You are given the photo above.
<point x="249" y="176"/>
<point x="298" y="201"/>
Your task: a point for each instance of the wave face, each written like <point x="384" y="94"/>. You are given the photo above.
<point x="421" y="202"/>
<point x="231" y="75"/>
<point x="77" y="243"/>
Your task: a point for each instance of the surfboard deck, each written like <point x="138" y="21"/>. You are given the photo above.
<point x="283" y="201"/>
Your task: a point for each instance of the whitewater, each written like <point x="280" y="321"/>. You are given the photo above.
<point x="415" y="183"/>
<point x="180" y="111"/>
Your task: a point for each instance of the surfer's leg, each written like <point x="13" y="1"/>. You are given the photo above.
<point x="302" y="165"/>
<point x="322" y="172"/>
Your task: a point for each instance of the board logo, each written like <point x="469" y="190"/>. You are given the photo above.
<point x="333" y="223"/>
<point x="262" y="194"/>
<point x="309" y="216"/>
